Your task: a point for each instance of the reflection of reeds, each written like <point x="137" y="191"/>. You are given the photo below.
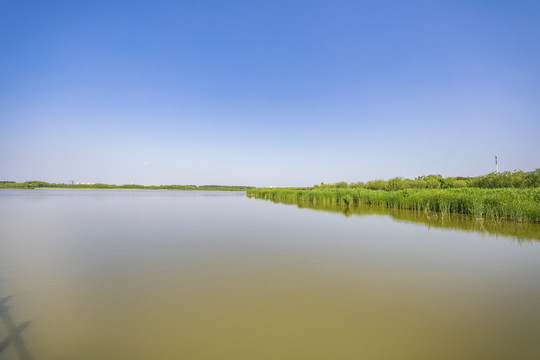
<point x="14" y="332"/>
<point x="510" y="204"/>
<point x="517" y="230"/>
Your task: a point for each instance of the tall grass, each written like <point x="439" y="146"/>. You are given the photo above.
<point x="518" y="231"/>
<point x="511" y="204"/>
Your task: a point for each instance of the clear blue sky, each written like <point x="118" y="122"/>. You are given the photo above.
<point x="281" y="93"/>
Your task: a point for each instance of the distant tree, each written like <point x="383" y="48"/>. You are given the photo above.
<point x="341" y="185"/>
<point x="396" y="183"/>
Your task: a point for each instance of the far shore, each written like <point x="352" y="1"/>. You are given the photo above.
<point x="32" y="185"/>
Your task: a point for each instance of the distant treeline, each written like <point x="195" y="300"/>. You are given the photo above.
<point x="508" y="179"/>
<point x="42" y="184"/>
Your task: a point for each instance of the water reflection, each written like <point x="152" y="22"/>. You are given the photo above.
<point x="517" y="231"/>
<point x="184" y="275"/>
<point x="14" y="332"/>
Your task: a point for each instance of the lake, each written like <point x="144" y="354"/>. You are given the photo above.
<point x="118" y="274"/>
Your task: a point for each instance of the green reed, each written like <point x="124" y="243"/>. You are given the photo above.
<point x="518" y="231"/>
<point x="510" y="204"/>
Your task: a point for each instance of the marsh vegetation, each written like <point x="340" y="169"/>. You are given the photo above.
<point x="501" y="196"/>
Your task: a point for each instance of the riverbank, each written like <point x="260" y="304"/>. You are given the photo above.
<point x="501" y="204"/>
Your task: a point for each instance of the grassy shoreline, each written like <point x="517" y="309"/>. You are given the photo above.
<point x="518" y="231"/>
<point x="501" y="204"/>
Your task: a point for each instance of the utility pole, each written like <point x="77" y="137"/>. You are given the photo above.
<point x="496" y="164"/>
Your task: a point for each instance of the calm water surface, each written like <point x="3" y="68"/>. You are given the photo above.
<point x="114" y="274"/>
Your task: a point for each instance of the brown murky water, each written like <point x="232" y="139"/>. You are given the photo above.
<point x="205" y="275"/>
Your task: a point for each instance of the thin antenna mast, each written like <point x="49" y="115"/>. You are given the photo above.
<point x="496" y="164"/>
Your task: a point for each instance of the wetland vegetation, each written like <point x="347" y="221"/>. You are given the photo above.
<point x="500" y="196"/>
<point x="518" y="231"/>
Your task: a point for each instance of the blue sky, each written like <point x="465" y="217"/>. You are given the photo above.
<point x="284" y="93"/>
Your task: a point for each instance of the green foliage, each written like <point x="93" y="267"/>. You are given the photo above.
<point x="509" y="179"/>
<point x="341" y="185"/>
<point x="396" y="183"/>
<point x="376" y="185"/>
<point x="357" y="185"/>
<point x="512" y="204"/>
